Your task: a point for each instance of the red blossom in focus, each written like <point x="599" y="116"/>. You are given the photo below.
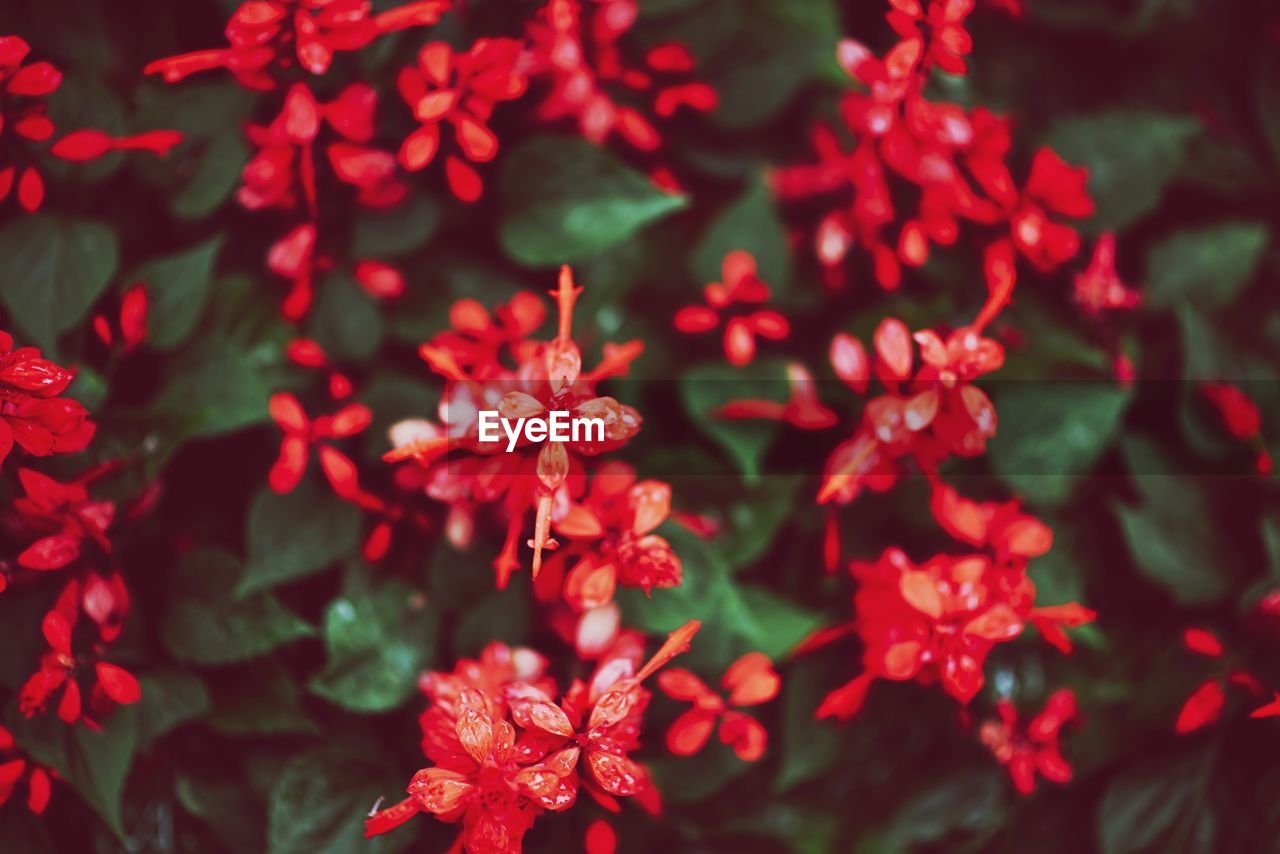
<point x="268" y="36"/>
<point x="301" y="433"/>
<point x="939" y="620"/>
<point x="548" y="376"/>
<point x="460" y="90"/>
<point x="31" y="412"/>
<point x="741" y="285"/>
<point x="750" y="681"/>
<point x="1031" y="750"/>
<point x="105" y="601"/>
<point x="63" y="517"/>
<point x="505" y="752"/>
<point x="14" y="768"/>
<point x="576" y="45"/>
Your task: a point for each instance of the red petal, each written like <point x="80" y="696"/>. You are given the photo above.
<point x="118" y="683"/>
<point x="1202" y="708"/>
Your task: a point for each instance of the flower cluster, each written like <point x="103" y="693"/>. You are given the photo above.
<point x="545" y="375"/>
<point x="956" y="161"/>
<point x="33" y="414"/>
<point x="937" y="621"/>
<point x="575" y="44"/>
<point x="505" y="751"/>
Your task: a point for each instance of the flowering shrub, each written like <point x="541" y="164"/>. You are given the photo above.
<point x="933" y="354"/>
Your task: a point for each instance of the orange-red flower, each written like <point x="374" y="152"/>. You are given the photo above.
<point x="741" y="285"/>
<point x="301" y="432"/>
<point x="750" y="681"/>
<point x="1031" y="750"/>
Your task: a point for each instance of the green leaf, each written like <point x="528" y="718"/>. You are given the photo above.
<point x="1050" y="434"/>
<point x="292" y="536"/>
<point x="52" y="271"/>
<point x="1159" y="804"/>
<point x="170" y="698"/>
<point x="751" y="524"/>
<point x="216" y="174"/>
<point x="320" y="801"/>
<point x="808" y="748"/>
<point x="777" y="48"/>
<point x="706" y="388"/>
<point x="177" y="287"/>
<point x="396" y="231"/>
<point x="259" y="699"/>
<point x="564" y="199"/>
<point x="228" y="808"/>
<point x="689" y="779"/>
<point x="736" y="618"/>
<point x="968" y="801"/>
<point x="94" y="763"/>
<point x="1206" y="266"/>
<point x="346" y="321"/>
<point x="212" y="390"/>
<point x="204" y="624"/>
<point x="750" y="222"/>
<point x="1131" y="156"/>
<point x="1172" y="533"/>
<point x="378" y="645"/>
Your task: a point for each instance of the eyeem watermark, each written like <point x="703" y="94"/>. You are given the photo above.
<point x="557" y="426"/>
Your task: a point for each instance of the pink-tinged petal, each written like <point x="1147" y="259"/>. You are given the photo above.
<point x="118" y="684"/>
<point x="52" y="552"/>
<point x="689" y="732"/>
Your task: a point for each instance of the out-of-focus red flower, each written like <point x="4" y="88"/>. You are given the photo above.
<point x="1241" y="417"/>
<point x="505" y="752"/>
<point x="1203" y="642"/>
<point x="379" y="280"/>
<point x="13" y="768"/>
<point x="459" y="89"/>
<point x="267" y="36"/>
<point x="63" y="516"/>
<point x="1202" y="708"/>
<point x="301" y="432"/>
<point x="601" y="838"/>
<point x="24" y="117"/>
<point x="741" y="285"/>
<point x="83" y="145"/>
<point x="1031" y="750"/>
<point x="576" y="46"/>
<point x="1099" y="288"/>
<point x="31" y="412"/>
<point x="548" y="377"/>
<point x="802" y="408"/>
<point x="750" y="681"/>
<point x="307" y="353"/>
<point x="134" y="306"/>
<point x="1269" y="710"/>
<point x="106" y="602"/>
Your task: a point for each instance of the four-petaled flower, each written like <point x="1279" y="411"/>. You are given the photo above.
<point x="750" y="681"/>
<point x="741" y="285"/>
<point x="1031" y="750"/>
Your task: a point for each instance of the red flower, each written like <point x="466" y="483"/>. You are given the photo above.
<point x="741" y="285"/>
<point x="1033" y="749"/>
<point x="611" y="537"/>
<point x="106" y="602"/>
<point x="1269" y="710"/>
<point x="266" y="35"/>
<point x="25" y="115"/>
<point x="301" y="432"/>
<point x="13" y="768"/>
<point x="1241" y="417"/>
<point x="83" y="145"/>
<point x="63" y="516"/>
<point x="1099" y="288"/>
<point x="549" y="377"/>
<point x="31" y="413"/>
<point x="133" y="320"/>
<point x="462" y="90"/>
<point x="505" y="753"/>
<point x="576" y="45"/>
<point x="750" y="681"/>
